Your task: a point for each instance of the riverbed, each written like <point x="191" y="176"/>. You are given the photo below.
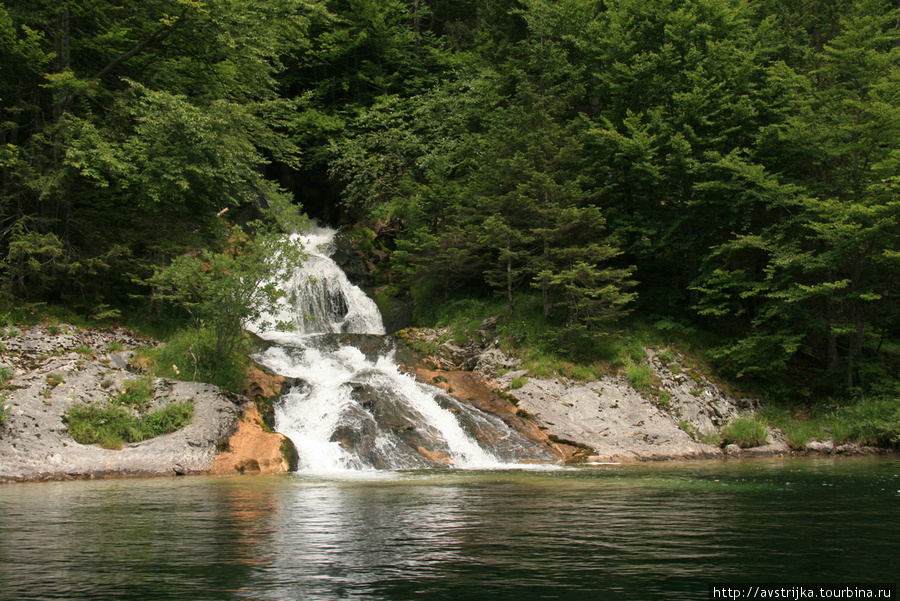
<point x="646" y="531"/>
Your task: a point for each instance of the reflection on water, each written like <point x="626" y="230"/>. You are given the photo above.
<point x="635" y="532"/>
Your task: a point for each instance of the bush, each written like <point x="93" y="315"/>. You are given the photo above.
<point x="745" y="431"/>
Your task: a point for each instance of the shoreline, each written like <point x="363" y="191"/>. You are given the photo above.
<point x="580" y="424"/>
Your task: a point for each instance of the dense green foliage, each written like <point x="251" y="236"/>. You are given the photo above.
<point x="710" y="166"/>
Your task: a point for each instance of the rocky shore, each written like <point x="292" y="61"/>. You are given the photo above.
<point x="47" y="370"/>
<point x="607" y="420"/>
<point x="50" y="369"/>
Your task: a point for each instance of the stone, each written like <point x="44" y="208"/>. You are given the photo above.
<point x="816" y="447"/>
<point x="35" y="443"/>
<point x="733" y="450"/>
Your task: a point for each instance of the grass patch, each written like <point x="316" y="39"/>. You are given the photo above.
<point x="6" y="375"/>
<point x="125" y="417"/>
<point x="4" y="411"/>
<point x="663" y="398"/>
<point x="114" y="347"/>
<point x="112" y="425"/>
<point x="136" y="394"/>
<point x="639" y="376"/>
<point x="711" y="437"/>
<point x="84" y="350"/>
<point x="187" y="356"/>
<point x="688" y="428"/>
<point x="745" y="431"/>
<point x="53" y="380"/>
<point x="517" y="383"/>
<point x="871" y="421"/>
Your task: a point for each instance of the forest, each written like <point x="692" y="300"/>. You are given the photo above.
<point x="725" y="171"/>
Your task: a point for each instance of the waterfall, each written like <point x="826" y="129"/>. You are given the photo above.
<point x="350" y="407"/>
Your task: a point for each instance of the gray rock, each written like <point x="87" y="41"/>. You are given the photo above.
<point x="733" y="450"/>
<point x="608" y="416"/>
<point x="35" y="443"/>
<point x="819" y="448"/>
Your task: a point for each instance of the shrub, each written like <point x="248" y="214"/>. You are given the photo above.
<point x="745" y="431"/>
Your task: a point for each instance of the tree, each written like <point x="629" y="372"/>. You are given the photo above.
<point x="120" y="118"/>
<point x="225" y="291"/>
<point x="827" y="285"/>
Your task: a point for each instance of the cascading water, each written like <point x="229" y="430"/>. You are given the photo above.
<point x="351" y="407"/>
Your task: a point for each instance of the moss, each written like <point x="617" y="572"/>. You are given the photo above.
<point x="290" y="454"/>
<point x="266" y="408"/>
<point x="362" y="239"/>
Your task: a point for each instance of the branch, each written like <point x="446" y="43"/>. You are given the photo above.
<point x="153" y="38"/>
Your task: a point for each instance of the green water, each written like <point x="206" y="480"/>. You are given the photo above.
<point x="609" y="532"/>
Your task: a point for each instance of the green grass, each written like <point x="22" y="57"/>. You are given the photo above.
<point x="84" y="350"/>
<point x="639" y="376"/>
<point x="4" y="411"/>
<point x="517" y="383"/>
<point x="185" y="356"/>
<point x="114" y="347"/>
<point x="548" y="349"/>
<point x="745" y="431"/>
<point x="136" y="394"/>
<point x="53" y="380"/>
<point x="711" y="437"/>
<point x="871" y="421"/>
<point x="112" y="425"/>
<point x="6" y="374"/>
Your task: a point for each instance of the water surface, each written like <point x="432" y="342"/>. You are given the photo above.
<point x="648" y="531"/>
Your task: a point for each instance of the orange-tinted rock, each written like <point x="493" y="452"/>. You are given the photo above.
<point x="252" y="450"/>
<point x="259" y="383"/>
<point x="472" y="388"/>
<point x="436" y="456"/>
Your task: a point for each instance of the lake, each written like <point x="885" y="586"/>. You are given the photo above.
<point x="647" y="531"/>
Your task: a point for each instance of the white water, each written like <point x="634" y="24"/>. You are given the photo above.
<point x="326" y="413"/>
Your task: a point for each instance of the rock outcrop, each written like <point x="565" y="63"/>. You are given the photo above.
<point x="600" y="421"/>
<point x="50" y="369"/>
<point x="253" y="449"/>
